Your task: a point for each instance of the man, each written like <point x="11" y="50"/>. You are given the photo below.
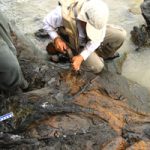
<point x="10" y="72"/>
<point x="85" y="23"/>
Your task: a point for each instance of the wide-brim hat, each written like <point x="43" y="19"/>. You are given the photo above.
<point x="95" y="13"/>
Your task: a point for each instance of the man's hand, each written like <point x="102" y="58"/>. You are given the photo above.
<point x="60" y="45"/>
<point x="76" y="62"/>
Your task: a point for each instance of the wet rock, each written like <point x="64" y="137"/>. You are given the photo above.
<point x="140" y="36"/>
<point x="145" y="7"/>
<point x="75" y="132"/>
<point x="117" y="144"/>
<point x="140" y="146"/>
<point x="80" y="111"/>
<point x="26" y="50"/>
<point x="41" y="33"/>
<point x="115" y="65"/>
<point x="136" y="132"/>
<point x="77" y="111"/>
<point x="8" y="141"/>
<point x="119" y="88"/>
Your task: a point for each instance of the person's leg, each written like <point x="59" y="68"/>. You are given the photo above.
<point x="113" y="40"/>
<point x="10" y="72"/>
<point x="5" y="32"/>
<point x="94" y="63"/>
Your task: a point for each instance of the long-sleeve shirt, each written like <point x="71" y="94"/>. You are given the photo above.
<point x="54" y="20"/>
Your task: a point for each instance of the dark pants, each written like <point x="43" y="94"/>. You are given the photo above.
<point x="10" y="72"/>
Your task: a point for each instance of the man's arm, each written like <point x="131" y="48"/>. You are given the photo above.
<point x="88" y="49"/>
<point x="51" y="22"/>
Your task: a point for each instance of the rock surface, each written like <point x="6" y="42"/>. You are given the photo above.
<point x="141" y="35"/>
<point x="69" y="111"/>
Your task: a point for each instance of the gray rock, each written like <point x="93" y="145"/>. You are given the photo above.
<point x="145" y="7"/>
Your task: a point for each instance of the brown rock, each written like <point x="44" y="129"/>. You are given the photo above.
<point x="117" y="144"/>
<point x="142" y="145"/>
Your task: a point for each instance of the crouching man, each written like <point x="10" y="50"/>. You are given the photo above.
<point x="82" y="26"/>
<point x="10" y="71"/>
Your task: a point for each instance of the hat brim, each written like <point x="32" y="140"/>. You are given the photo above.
<point x="95" y="35"/>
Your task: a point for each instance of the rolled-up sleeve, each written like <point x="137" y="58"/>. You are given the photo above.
<point x="52" y="21"/>
<point x="88" y="49"/>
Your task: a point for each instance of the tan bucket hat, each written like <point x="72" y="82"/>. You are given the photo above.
<point x="95" y="13"/>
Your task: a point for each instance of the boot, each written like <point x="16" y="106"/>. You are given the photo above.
<point x="113" y="57"/>
<point x="24" y="85"/>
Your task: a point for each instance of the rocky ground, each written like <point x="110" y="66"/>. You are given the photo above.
<point x="64" y="110"/>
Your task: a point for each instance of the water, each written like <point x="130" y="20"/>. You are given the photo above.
<point x="28" y="15"/>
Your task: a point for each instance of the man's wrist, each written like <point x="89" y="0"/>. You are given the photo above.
<point x="56" y="38"/>
<point x="81" y="58"/>
<point x="53" y="35"/>
<point x="84" y="54"/>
